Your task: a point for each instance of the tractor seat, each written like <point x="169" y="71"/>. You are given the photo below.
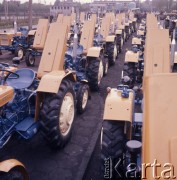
<point x="25" y="79"/>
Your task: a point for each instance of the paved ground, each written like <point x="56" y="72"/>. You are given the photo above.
<point x="73" y="162"/>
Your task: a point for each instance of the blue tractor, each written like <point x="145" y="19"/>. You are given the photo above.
<point x="16" y="43"/>
<point x="17" y="105"/>
<point x="46" y="99"/>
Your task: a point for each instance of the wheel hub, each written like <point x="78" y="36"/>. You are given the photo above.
<point x="31" y="59"/>
<point x="100" y="72"/>
<point x="106" y="67"/>
<point x="115" y="53"/>
<point x="20" y="53"/>
<point x="85" y="99"/>
<point x="66" y="114"/>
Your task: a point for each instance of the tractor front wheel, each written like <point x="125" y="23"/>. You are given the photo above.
<point x="29" y="59"/>
<point x="111" y="49"/>
<point x="82" y="98"/>
<point x="19" y="52"/>
<point x="95" y="72"/>
<point x="57" y="115"/>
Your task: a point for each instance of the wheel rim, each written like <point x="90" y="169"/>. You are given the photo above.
<point x="106" y="67"/>
<point x="66" y="114"/>
<point x="85" y="99"/>
<point x="100" y="72"/>
<point x="115" y="53"/>
<point x="20" y="53"/>
<point x="31" y="59"/>
<point x="101" y="138"/>
<point x="122" y="42"/>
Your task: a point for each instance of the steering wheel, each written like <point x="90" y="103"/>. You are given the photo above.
<point x="3" y="67"/>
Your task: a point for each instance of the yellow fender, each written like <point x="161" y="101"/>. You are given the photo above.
<point x="50" y="83"/>
<point x="119" y="31"/>
<point x="110" y="38"/>
<point x="118" y="108"/>
<point x="130" y="56"/>
<point x="140" y="32"/>
<point x="10" y="164"/>
<point x="94" y="52"/>
<point x="175" y="61"/>
<point x="136" y="41"/>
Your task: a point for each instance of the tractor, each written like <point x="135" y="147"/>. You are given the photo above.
<point x="35" y="50"/>
<point x="106" y="38"/>
<point x="16" y="42"/>
<point x="130" y="143"/>
<point x="120" y="31"/>
<point x="12" y="169"/>
<point x="45" y="100"/>
<point x="85" y="59"/>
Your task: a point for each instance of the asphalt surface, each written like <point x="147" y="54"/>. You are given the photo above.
<point x="80" y="157"/>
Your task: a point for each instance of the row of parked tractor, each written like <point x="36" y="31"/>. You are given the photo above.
<point x="139" y="137"/>
<point x="75" y="55"/>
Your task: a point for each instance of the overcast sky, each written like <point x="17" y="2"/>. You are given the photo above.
<point x="52" y="1"/>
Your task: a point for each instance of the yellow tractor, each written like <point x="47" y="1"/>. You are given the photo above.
<point x="47" y="99"/>
<point x="12" y="169"/>
<point x="37" y="47"/>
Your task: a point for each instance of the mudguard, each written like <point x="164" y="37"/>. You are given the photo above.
<point x="135" y="19"/>
<point x="10" y="164"/>
<point x="94" y="52"/>
<point x="110" y="38"/>
<point x="175" y="61"/>
<point x="119" y="31"/>
<point x="130" y="56"/>
<point x="140" y="33"/>
<point x="118" y="108"/>
<point x="50" y="82"/>
<point x="136" y="41"/>
<point x="31" y="32"/>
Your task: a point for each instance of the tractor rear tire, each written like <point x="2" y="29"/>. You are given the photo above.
<point x="57" y="115"/>
<point x="111" y="50"/>
<point x="112" y="143"/>
<point x="19" y="52"/>
<point x="82" y="98"/>
<point x="95" y="73"/>
<point x="29" y="59"/>
<point x="14" y="174"/>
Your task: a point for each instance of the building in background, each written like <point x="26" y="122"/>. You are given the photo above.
<point x="64" y="7"/>
<point x="111" y="5"/>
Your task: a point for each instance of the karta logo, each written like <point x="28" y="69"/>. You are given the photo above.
<point x="133" y="171"/>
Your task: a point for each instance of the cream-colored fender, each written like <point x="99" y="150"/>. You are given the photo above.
<point x="110" y="38"/>
<point x="10" y="164"/>
<point x="135" y="19"/>
<point x="136" y="41"/>
<point x="118" y="32"/>
<point x="130" y="56"/>
<point x="118" y="108"/>
<point x="175" y="61"/>
<point x="50" y="83"/>
<point x="94" y="52"/>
